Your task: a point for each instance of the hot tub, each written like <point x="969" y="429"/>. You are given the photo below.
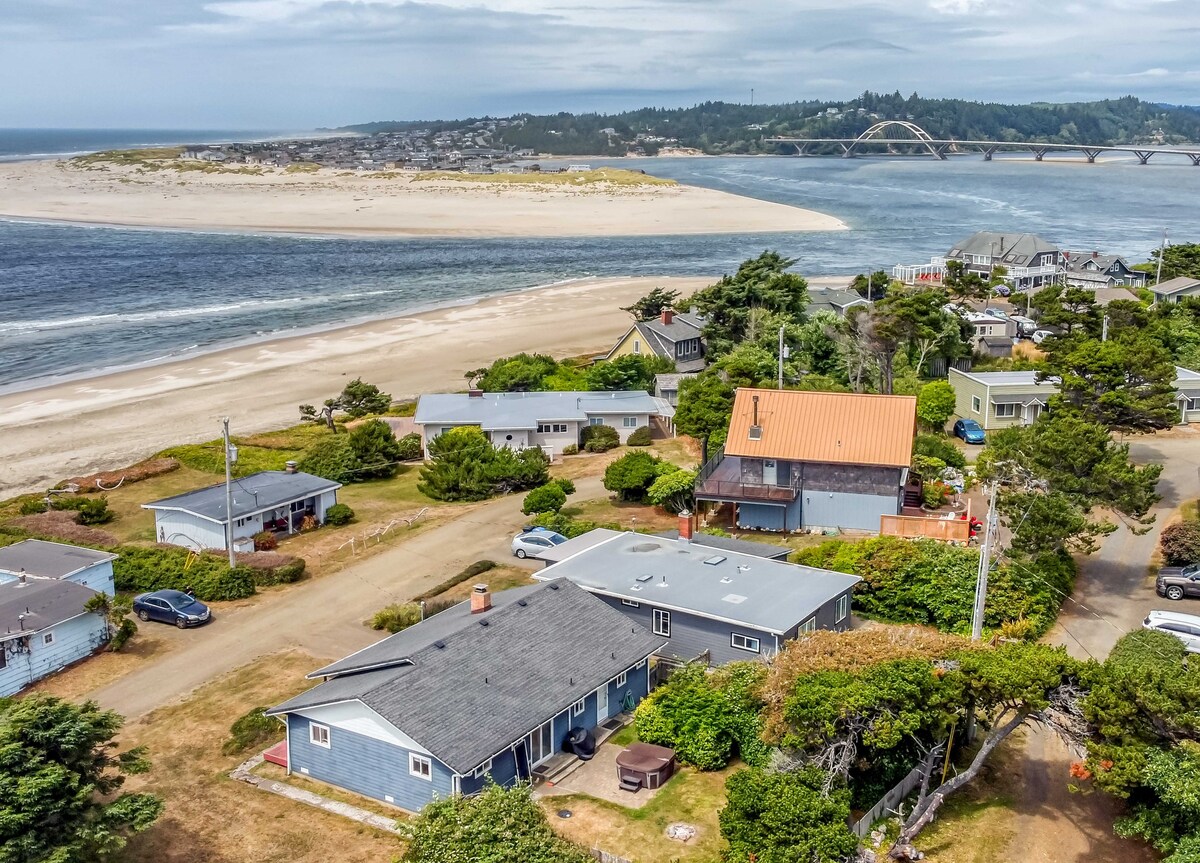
<point x="643" y="765"/>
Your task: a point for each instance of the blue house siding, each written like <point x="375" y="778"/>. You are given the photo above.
<point x="692" y="635"/>
<point x="73" y="640"/>
<point x="760" y="516"/>
<point x="507" y="769"/>
<point x="846" y="510"/>
<point x="373" y="768"/>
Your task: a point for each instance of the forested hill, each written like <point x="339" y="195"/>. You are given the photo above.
<point x="723" y="127"/>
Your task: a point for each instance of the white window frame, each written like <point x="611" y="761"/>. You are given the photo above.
<point x="631" y="603"/>
<point x="420" y="766"/>
<point x="1193" y="404"/>
<point x="595" y="421"/>
<point x="637" y="346"/>
<point x="318" y="735"/>
<point x="809" y="625"/>
<point x="1005" y="410"/>
<point x="47" y="639"/>
<point x="630" y="422"/>
<point x="578" y="707"/>
<point x="842" y="608"/>
<point x="622" y="678"/>
<point x="976" y="404"/>
<point x="746" y="642"/>
<point x="483" y="769"/>
<point x="662" y="622"/>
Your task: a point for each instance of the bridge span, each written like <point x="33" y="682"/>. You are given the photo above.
<point x="914" y="136"/>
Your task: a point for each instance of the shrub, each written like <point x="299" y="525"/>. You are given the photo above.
<point x="927" y="467"/>
<point x="1180" y="543"/>
<point x="570" y="449"/>
<point x="33" y="506"/>
<point x="640" y="437"/>
<point x="265" y="540"/>
<point x="479" y="567"/>
<point x="935" y="494"/>
<point x="935" y="404"/>
<point x="339" y="514"/>
<point x="776" y="816"/>
<point x="570" y="527"/>
<point x="673" y="491"/>
<point x="599" y="438"/>
<point x="410" y="447"/>
<point x="95" y="511"/>
<point x="252" y="730"/>
<point x="331" y="458"/>
<point x="545" y="498"/>
<point x="400" y="616"/>
<point x="159" y="567"/>
<point x="270" y="568"/>
<point x="376" y="451"/>
<point x="565" y="484"/>
<point x="62" y="526"/>
<point x="938" y="446"/>
<point x="465" y="466"/>
<point x="631" y="475"/>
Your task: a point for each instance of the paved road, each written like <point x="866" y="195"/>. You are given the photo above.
<point x="324" y="616"/>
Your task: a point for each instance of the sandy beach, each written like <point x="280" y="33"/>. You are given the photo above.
<point x="389" y="204"/>
<point x="109" y="421"/>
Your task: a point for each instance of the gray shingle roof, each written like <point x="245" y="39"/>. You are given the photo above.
<point x="255" y="493"/>
<point x="493" y="411"/>
<point x="1012" y="249"/>
<point x="544" y="647"/>
<point x="49" y="559"/>
<point x="832" y="299"/>
<point x="1176" y="285"/>
<point x="722" y="585"/>
<point x="42" y="603"/>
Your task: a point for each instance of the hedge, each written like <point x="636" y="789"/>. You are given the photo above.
<point x="477" y="568"/>
<point x="161" y="567"/>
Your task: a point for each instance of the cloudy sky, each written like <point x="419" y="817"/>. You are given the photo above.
<point x="297" y="64"/>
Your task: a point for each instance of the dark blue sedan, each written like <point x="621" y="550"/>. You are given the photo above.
<point x="969" y="430"/>
<point x="171" y="606"/>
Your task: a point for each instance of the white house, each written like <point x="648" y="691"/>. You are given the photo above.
<point x="44" y="627"/>
<point x="550" y="421"/>
<point x="39" y="560"/>
<point x="272" y="500"/>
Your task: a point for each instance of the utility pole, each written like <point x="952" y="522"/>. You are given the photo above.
<point x="228" y="492"/>
<point x="1104" y="329"/>
<point x="782" y="355"/>
<point x="981" y="578"/>
<point x="869" y="276"/>
<point x="1161" y="251"/>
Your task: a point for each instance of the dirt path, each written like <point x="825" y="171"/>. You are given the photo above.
<point x="324" y="617"/>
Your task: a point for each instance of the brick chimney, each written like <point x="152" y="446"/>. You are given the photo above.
<point x="481" y="599"/>
<point x="475" y="393"/>
<point x="685" y="526"/>
<point x="667" y="316"/>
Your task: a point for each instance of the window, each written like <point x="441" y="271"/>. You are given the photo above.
<point x="577" y="707"/>
<point x="1048" y="260"/>
<point x="1006" y="411"/>
<point x="1193" y="404"/>
<point x="637" y="346"/>
<point x="809" y="625"/>
<point x="595" y="421"/>
<point x="631" y="603"/>
<point x="48" y="638"/>
<point x="318" y="735"/>
<point x="483" y="769"/>
<point x="3" y="656"/>
<point x="621" y="678"/>
<point x="551" y="428"/>
<point x="630" y="422"/>
<point x="420" y="766"/>
<point x="662" y="623"/>
<point x="976" y="404"/>
<point x="842" y="608"/>
<point x="743" y="642"/>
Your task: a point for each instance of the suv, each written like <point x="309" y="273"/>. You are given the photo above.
<point x="1185" y="627"/>
<point x="1176" y="582"/>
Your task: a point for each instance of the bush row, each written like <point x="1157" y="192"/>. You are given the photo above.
<point x="163" y="567"/>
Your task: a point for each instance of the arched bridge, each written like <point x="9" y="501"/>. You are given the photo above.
<point x="902" y="133"/>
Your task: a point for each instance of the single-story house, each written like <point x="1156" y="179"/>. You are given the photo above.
<point x="44" y="628"/>
<point x="484" y="691"/>
<point x="666" y="386"/>
<point x="834" y="300"/>
<point x="38" y="559"/>
<point x="796" y="460"/>
<point x="997" y="400"/>
<point x="550" y="421"/>
<point x="675" y="336"/>
<point x="276" y="500"/>
<point x="1173" y="290"/>
<point x="992" y="336"/>
<point x="1097" y="270"/>
<point x="713" y="603"/>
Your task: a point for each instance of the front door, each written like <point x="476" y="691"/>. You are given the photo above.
<point x="770" y="471"/>
<point x="602" y="704"/>
<point x="541" y="744"/>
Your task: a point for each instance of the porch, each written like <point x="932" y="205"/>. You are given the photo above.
<point x="289" y="518"/>
<point x="724" y="478"/>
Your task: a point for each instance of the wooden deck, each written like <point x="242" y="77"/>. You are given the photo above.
<point x="725" y="483"/>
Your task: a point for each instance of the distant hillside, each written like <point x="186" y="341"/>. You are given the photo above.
<point x="723" y="127"/>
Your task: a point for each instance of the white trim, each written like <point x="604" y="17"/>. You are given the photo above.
<point x="578" y="707"/>
<point x="483" y="769"/>
<point x="809" y="625"/>
<point x="661" y="621"/>
<point x="274" y="506"/>
<point x="621" y="679"/>
<point x="746" y="640"/>
<point x="841" y="609"/>
<point x="632" y="603"/>
<point x="357" y="718"/>
<point x="415" y="764"/>
<point x="47" y="638"/>
<point x="317" y="731"/>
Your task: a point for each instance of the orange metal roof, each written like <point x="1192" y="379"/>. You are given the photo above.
<point x="838" y="428"/>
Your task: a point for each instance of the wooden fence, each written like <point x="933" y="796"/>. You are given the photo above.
<point x="913" y="526"/>
<point x="887" y="803"/>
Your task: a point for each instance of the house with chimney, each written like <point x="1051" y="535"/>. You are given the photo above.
<point x="483" y="692"/>
<point x="796" y="460"/>
<point x="712" y="605"/>
<point x="1096" y="270"/>
<point x="280" y="501"/>
<point x="676" y="336"/>
<point x="550" y="421"/>
<point x="41" y="560"/>
<point x="1028" y="260"/>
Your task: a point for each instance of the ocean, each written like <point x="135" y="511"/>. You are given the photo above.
<point x="80" y="300"/>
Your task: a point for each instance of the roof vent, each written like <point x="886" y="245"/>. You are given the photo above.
<point x="735" y="598"/>
<point x="663" y="583"/>
<point x="644" y="578"/>
<point x="714" y="560"/>
<point x="483" y="622"/>
<point x="553" y="586"/>
<point x="440" y="645"/>
<point x="636" y="587"/>
<point x="726" y="579"/>
<point x="522" y="602"/>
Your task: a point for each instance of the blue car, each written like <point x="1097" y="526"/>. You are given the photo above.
<point x="171" y="606"/>
<point x="969" y="430"/>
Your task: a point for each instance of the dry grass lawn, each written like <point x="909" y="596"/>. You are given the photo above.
<point x="152" y="642"/>
<point x="640" y="834"/>
<point x="211" y="818"/>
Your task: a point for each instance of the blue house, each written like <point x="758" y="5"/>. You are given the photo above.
<point x="38" y="559"/>
<point x="484" y="691"/>
<point x="43" y="628"/>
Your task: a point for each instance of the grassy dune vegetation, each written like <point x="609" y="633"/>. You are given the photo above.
<point x="607" y="176"/>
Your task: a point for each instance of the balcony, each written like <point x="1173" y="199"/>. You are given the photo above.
<point x="721" y="479"/>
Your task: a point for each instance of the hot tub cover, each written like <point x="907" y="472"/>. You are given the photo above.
<point x="645" y="757"/>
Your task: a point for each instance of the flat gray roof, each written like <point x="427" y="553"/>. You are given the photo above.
<point x="715" y="583"/>
<point x="36" y="605"/>
<point x="44" y="559"/>
<point x="525" y="410"/>
<point x="255" y="493"/>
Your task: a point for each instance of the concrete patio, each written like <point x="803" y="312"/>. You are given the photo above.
<point x="598" y="778"/>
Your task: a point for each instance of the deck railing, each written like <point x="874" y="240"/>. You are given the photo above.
<point x="738" y="489"/>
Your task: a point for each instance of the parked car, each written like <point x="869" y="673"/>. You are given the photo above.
<point x="1185" y="627"/>
<point x="996" y="313"/>
<point x="1040" y="336"/>
<point x="1026" y="327"/>
<point x="533" y="542"/>
<point x="1176" y="582"/>
<point x="969" y="430"/>
<point x="171" y="606"/>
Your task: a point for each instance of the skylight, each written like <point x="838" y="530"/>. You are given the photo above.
<point x="714" y="560"/>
